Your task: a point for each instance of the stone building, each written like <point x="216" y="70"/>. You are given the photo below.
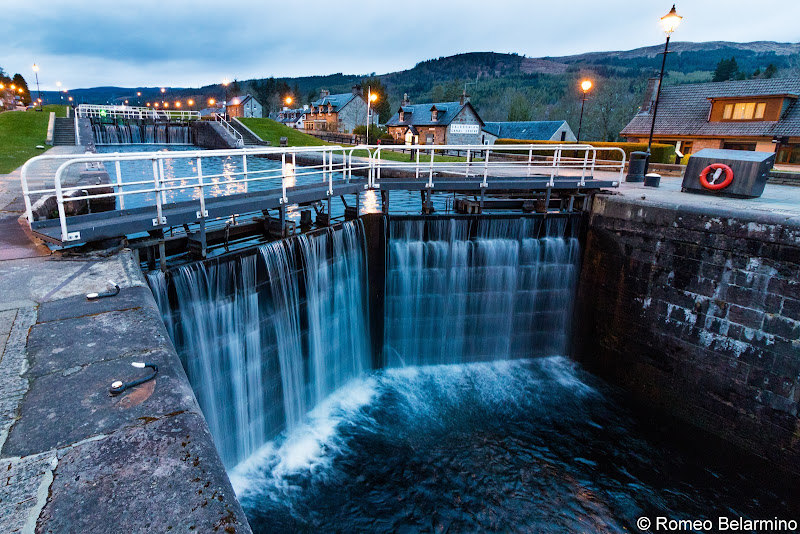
<point x="338" y="113"/>
<point x="528" y="130"/>
<point x="439" y="123"/>
<point x="245" y="106"/>
<point x="761" y="115"/>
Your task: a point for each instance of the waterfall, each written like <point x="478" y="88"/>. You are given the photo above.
<point x="125" y="134"/>
<point x="265" y="336"/>
<point x="463" y="291"/>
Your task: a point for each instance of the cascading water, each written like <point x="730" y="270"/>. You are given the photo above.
<point x="265" y="337"/>
<point x="125" y="134"/>
<point x="277" y="341"/>
<point x="504" y="293"/>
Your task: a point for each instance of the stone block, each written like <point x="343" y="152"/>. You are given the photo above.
<point x="745" y="316"/>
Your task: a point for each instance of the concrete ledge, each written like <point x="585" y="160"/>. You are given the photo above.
<point x="80" y="460"/>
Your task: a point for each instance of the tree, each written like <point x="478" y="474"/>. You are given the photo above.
<point x="770" y="71"/>
<point x="727" y="69"/>
<point x="520" y="108"/>
<point x="19" y="81"/>
<point x="381" y="105"/>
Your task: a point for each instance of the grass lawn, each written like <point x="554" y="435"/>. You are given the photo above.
<point x="269" y="130"/>
<point x="20" y="132"/>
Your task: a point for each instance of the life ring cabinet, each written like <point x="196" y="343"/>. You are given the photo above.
<point x="732" y="173"/>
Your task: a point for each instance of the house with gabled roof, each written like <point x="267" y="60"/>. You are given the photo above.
<point x="293" y="118"/>
<point x="338" y="113"/>
<point x="761" y="115"/>
<point x="436" y="123"/>
<point x="529" y="130"/>
<point x="245" y="106"/>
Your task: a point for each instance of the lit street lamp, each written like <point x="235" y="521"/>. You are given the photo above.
<point x="139" y="98"/>
<point x="38" y="90"/>
<point x="669" y="22"/>
<point x="585" y="85"/>
<point x="58" y="84"/>
<point x="371" y="97"/>
<point x="163" y="90"/>
<point x="225" y="83"/>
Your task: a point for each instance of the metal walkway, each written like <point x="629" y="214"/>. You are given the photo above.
<point x="165" y="198"/>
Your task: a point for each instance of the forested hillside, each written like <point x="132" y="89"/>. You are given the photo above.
<point x="514" y="87"/>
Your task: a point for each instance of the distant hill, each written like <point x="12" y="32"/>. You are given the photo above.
<point x="511" y="86"/>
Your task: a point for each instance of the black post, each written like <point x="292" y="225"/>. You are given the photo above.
<point x="655" y="105"/>
<point x="580" y="123"/>
<point x="39" y="91"/>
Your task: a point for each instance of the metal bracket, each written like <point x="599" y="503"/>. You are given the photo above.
<point x="201" y="214"/>
<point x="163" y="221"/>
<point x="73" y="236"/>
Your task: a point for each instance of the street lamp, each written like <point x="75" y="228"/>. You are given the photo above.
<point x="39" y="91"/>
<point x="371" y="97"/>
<point x="585" y="85"/>
<point x="225" y="83"/>
<point x="163" y="90"/>
<point x="211" y="102"/>
<point x="669" y="23"/>
<point x="58" y="84"/>
<point x="139" y="98"/>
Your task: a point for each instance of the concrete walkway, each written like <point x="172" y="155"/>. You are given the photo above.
<point x="74" y="458"/>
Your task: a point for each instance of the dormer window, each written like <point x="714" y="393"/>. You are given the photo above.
<point x="744" y="111"/>
<point x="402" y="115"/>
<point x="434" y="114"/>
<point x="330" y="108"/>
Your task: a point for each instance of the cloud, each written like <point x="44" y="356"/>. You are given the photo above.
<point x="183" y="43"/>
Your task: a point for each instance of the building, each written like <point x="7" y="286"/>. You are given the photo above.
<point x="438" y="123"/>
<point x="293" y="118"/>
<point x="761" y="115"/>
<point x="528" y="130"/>
<point x="245" y="106"/>
<point x="338" y="113"/>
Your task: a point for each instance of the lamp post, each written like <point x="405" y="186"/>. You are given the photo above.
<point x="225" y="84"/>
<point x="669" y="22"/>
<point x="370" y="99"/>
<point x="163" y="90"/>
<point x="39" y="91"/>
<point x="585" y="85"/>
<point x="138" y="98"/>
<point x="58" y="84"/>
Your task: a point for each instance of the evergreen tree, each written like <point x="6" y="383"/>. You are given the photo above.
<point x="381" y="105"/>
<point x="19" y="81"/>
<point x="727" y="69"/>
<point x="520" y="108"/>
<point x="770" y="71"/>
<point x="756" y="73"/>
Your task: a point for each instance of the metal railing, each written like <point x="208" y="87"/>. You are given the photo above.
<point x="230" y="129"/>
<point x="130" y="112"/>
<point x="327" y="165"/>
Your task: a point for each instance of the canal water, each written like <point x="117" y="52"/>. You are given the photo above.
<point x="477" y="421"/>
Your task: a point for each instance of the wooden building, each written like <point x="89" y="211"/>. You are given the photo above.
<point x="761" y="115"/>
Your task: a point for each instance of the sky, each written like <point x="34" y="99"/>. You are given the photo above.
<point x="178" y="43"/>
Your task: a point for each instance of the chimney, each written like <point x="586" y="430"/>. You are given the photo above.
<point x="357" y="90"/>
<point x="650" y="95"/>
<point x="324" y="93"/>
<point x="406" y="101"/>
<point x="464" y="98"/>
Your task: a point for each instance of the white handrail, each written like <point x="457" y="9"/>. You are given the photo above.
<point x="499" y="162"/>
<point x="132" y="112"/>
<point x="231" y="130"/>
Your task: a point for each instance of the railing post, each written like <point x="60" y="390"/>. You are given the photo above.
<point x="466" y="174"/>
<point x="530" y="160"/>
<point x="284" y="200"/>
<point x="330" y="176"/>
<point x="62" y="215"/>
<point x="583" y="168"/>
<point x="161" y="174"/>
<point x="430" y="173"/>
<point x="244" y="169"/>
<point x="159" y="220"/>
<point x="119" y="186"/>
<point x="485" y="169"/>
<point x="202" y="213"/>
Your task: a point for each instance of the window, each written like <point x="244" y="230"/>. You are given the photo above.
<point x="686" y="147"/>
<point x="744" y="111"/>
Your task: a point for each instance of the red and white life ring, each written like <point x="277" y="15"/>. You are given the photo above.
<point x="714" y="184"/>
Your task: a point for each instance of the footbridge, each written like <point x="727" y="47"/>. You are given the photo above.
<point x="91" y="111"/>
<point x="151" y="193"/>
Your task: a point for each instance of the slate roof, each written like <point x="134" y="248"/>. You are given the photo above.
<point x="337" y="101"/>
<point x="420" y="114"/>
<point x="684" y="110"/>
<point x="241" y="99"/>
<point x="533" y="130"/>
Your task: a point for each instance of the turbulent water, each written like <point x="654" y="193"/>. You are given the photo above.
<point x="518" y="446"/>
<point x="126" y="134"/>
<point x="265" y="337"/>
<point x="476" y="423"/>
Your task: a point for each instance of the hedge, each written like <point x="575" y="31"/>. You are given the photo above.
<point x="659" y="153"/>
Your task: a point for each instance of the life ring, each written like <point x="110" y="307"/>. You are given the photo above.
<point x="713" y="185"/>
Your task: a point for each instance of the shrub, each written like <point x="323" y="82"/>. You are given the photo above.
<point x="659" y="153"/>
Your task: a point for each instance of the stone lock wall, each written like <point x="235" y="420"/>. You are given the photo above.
<point x="697" y="312"/>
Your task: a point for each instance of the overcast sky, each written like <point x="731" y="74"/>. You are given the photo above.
<point x="87" y="43"/>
